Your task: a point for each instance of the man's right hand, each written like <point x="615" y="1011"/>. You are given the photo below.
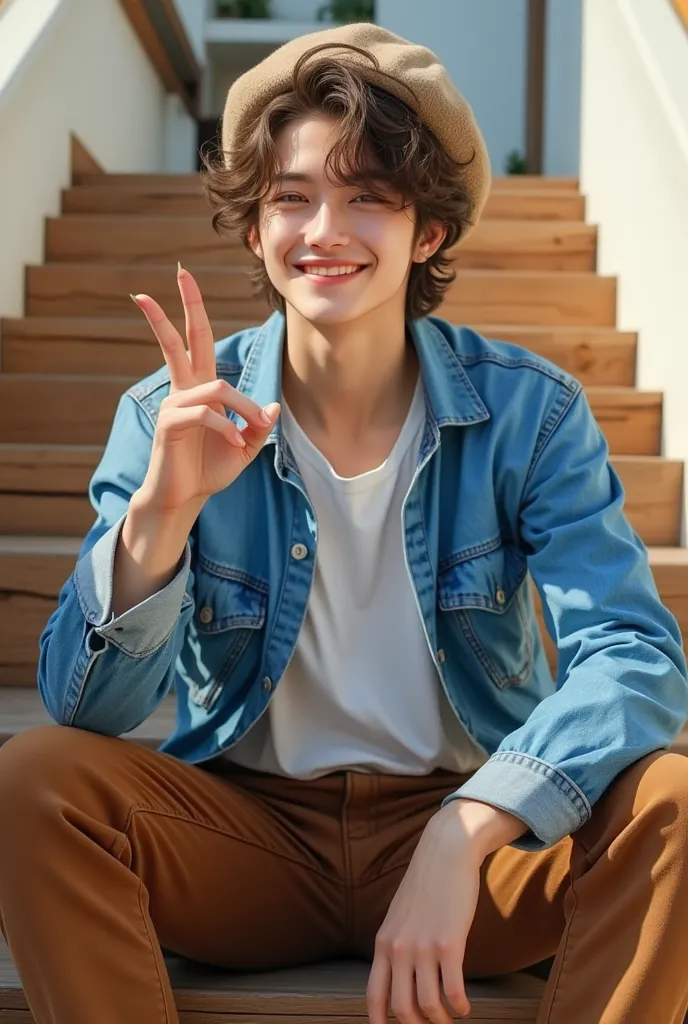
<point x="196" y="450"/>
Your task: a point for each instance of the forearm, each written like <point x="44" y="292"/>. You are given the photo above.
<point x="150" y="547"/>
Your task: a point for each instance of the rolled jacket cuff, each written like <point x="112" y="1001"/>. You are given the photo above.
<point x="537" y="792"/>
<point x="140" y="630"/>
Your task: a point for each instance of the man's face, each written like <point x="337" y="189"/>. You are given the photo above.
<point x="308" y="224"/>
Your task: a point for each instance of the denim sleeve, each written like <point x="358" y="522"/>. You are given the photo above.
<point x="621" y="689"/>
<point x="96" y="671"/>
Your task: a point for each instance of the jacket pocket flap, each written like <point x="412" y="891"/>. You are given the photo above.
<point x="227" y="598"/>
<point x="488" y="580"/>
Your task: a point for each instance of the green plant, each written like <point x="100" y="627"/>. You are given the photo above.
<point x="243" y="9"/>
<point x="515" y="163"/>
<point x="346" y="11"/>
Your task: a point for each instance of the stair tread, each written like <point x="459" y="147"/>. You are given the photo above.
<point x="223" y="268"/>
<point x="84" y="325"/>
<point x="318" y="991"/>
<point x="37" y="544"/>
<point x="27" y="447"/>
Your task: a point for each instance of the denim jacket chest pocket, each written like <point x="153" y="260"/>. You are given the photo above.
<point x="483" y="592"/>
<point x="230" y="612"/>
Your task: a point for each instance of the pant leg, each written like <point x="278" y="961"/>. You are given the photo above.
<point x="622" y="957"/>
<point x="611" y="900"/>
<point x="110" y="851"/>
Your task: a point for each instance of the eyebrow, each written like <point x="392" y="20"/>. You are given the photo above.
<point x="296" y="176"/>
<point x="293" y="176"/>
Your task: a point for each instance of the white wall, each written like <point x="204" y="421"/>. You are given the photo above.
<point x="634" y="170"/>
<point x="67" y="66"/>
<point x="483" y="46"/>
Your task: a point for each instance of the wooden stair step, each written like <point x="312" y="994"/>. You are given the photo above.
<point x="138" y="181"/>
<point x="488" y="296"/>
<point x="46" y="485"/>
<point x="33" y="570"/>
<point x="164" y="198"/>
<point x="332" y="991"/>
<point x="36" y="408"/>
<point x="21" y="708"/>
<point x="494" y="245"/>
<point x="92" y="345"/>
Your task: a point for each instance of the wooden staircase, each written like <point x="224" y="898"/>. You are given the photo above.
<point x="527" y="275"/>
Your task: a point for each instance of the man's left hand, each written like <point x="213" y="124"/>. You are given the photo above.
<point x="420" y="947"/>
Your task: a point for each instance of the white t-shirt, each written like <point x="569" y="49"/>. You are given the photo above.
<point x="361" y="690"/>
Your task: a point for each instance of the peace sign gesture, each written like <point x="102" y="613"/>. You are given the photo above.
<point x="197" y="451"/>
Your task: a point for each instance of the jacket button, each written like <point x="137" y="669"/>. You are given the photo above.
<point x="441" y="656"/>
<point x="267" y="684"/>
<point x="206" y="614"/>
<point x="299" y="551"/>
<point x="500" y="596"/>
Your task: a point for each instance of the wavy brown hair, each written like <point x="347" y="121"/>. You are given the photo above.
<point x="381" y="145"/>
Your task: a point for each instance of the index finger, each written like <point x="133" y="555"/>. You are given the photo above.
<point x="199" y="333"/>
<point x="170" y="341"/>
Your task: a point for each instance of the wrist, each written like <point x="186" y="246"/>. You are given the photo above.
<point x="487" y="828"/>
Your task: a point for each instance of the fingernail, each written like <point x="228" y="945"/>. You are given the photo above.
<point x="134" y="298"/>
<point x="180" y="268"/>
<point x="269" y="413"/>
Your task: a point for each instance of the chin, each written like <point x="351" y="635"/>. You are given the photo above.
<point x="326" y="314"/>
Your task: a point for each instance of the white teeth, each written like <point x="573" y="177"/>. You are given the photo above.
<point x="330" y="271"/>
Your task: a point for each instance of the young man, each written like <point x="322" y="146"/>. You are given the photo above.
<point x="370" y="755"/>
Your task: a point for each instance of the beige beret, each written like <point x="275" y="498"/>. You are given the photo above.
<point x="440" y="105"/>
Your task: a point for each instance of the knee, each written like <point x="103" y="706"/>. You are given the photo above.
<point x="664" y="788"/>
<point x="34" y="763"/>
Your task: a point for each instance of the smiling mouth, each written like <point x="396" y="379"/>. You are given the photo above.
<point x="331" y="273"/>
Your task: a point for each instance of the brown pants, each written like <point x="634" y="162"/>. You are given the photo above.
<point x="110" y="853"/>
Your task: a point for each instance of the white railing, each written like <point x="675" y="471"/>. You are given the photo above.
<point x="67" y="67"/>
<point x="634" y="171"/>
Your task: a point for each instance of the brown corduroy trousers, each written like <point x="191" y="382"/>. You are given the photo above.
<point x="111" y="853"/>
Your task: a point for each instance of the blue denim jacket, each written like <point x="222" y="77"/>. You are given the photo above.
<point x="512" y="476"/>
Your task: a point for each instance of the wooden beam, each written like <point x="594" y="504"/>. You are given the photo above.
<point x="681" y="7"/>
<point x="82" y="160"/>
<point x="537" y="25"/>
<point x="164" y="38"/>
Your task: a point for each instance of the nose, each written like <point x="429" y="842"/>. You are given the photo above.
<point x="326" y="228"/>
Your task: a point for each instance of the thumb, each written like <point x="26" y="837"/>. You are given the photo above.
<point x="254" y="438"/>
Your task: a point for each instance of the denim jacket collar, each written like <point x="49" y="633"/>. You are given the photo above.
<point x="451" y="397"/>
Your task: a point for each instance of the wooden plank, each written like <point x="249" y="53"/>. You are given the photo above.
<point x="496" y="296"/>
<point x="82" y="161"/>
<point x="332" y="992"/>
<point x="88" y="345"/>
<point x="494" y="245"/>
<point x="654" y="497"/>
<point x="167" y="200"/>
<point x="33" y="569"/>
<point x="39" y="408"/>
<point x="21" y="708"/>
<point x="681" y="8"/>
<point x="44" y="490"/>
<point x="631" y="420"/>
<point x="62" y="410"/>
<point x="164" y="37"/>
<point x="191" y="181"/>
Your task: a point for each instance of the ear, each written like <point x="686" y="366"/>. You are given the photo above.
<point x="429" y="242"/>
<point x="254" y="241"/>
